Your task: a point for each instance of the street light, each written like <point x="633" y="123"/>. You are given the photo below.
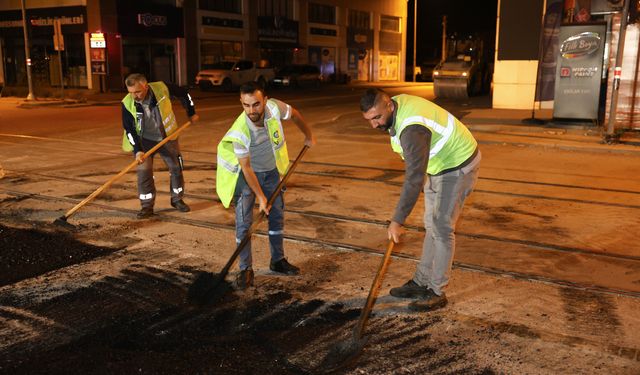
<point x="609" y="136"/>
<point x="415" y="27"/>
<point x="26" y="52"/>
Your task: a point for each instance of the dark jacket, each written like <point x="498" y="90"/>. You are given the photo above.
<point x="129" y="123"/>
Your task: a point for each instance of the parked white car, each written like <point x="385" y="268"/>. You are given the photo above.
<point x="230" y="74"/>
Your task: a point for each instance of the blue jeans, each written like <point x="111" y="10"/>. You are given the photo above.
<point x="245" y="200"/>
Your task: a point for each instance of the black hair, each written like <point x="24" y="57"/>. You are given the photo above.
<point x="251" y="87"/>
<point x="370" y="98"/>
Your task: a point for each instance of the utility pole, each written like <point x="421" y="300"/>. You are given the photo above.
<point x="415" y="28"/>
<point x="444" y="37"/>
<point x="27" y="56"/>
<point x="609" y="137"/>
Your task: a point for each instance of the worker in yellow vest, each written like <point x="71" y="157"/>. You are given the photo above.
<point x="436" y="146"/>
<point x="251" y="158"/>
<point x="148" y="118"/>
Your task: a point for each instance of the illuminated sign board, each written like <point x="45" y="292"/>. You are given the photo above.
<point x="97" y="40"/>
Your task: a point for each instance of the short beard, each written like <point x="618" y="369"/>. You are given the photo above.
<point x="259" y="116"/>
<point x="385" y="128"/>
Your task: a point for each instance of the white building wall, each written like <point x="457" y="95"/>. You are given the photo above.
<point x="514" y="81"/>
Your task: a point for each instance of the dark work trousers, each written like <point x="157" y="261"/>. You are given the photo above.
<point x="170" y="153"/>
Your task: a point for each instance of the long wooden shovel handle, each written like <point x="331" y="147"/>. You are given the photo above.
<point x="261" y="215"/>
<point x="373" y="292"/>
<point x="125" y="170"/>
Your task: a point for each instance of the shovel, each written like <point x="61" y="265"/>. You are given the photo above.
<point x="208" y="287"/>
<point x="345" y="352"/>
<point x="62" y="220"/>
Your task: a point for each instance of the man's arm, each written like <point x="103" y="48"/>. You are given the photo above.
<point x="252" y="181"/>
<point x="129" y="125"/>
<point x="183" y="95"/>
<point x="415" y="141"/>
<point x="297" y="119"/>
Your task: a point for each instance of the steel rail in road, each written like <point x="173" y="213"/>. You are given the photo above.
<point x="381" y="223"/>
<point x="386" y="170"/>
<point x="399" y="172"/>
<point x="348" y="247"/>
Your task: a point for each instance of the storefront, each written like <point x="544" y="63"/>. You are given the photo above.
<point x="152" y="40"/>
<point x="45" y="60"/>
<point x="389" y="56"/>
<point x="322" y="51"/>
<point x="360" y="45"/>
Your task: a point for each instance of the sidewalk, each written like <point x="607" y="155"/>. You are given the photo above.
<point x="516" y="126"/>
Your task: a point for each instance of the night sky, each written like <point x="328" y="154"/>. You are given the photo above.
<point x="463" y="17"/>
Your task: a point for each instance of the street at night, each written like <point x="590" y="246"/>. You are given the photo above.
<point x="545" y="280"/>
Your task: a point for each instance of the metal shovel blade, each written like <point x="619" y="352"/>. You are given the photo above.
<point x="207" y="288"/>
<point x="62" y="222"/>
<point x="341" y="355"/>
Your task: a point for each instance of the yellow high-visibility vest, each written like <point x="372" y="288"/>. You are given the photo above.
<point x="451" y="142"/>
<point x="161" y="92"/>
<point x="229" y="169"/>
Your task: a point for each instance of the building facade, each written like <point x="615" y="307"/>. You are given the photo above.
<point x="171" y="40"/>
<point x="362" y="40"/>
<point x="45" y="59"/>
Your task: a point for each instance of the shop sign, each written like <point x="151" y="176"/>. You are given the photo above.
<point x="149" y="20"/>
<point x="579" y="71"/>
<point x="580" y="45"/>
<point x="41" y="21"/>
<point x="222" y="22"/>
<point x="97" y="40"/>
<point x="322" y="32"/>
<point x="359" y="38"/>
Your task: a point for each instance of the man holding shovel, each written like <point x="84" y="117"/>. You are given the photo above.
<point x="251" y="158"/>
<point x="432" y="142"/>
<point x="148" y="118"/>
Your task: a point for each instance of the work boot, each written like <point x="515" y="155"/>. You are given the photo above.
<point x="411" y="290"/>
<point x="282" y="266"/>
<point x="432" y="302"/>
<point x="145" y="212"/>
<point x="244" y="279"/>
<point x="181" y="206"/>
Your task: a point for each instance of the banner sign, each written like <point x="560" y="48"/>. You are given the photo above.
<point x="549" y="51"/>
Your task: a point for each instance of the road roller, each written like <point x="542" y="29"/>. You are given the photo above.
<point x="463" y="73"/>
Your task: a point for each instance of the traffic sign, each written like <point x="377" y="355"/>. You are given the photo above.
<point x="58" y="38"/>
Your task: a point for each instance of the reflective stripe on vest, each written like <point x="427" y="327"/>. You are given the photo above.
<point x="163" y="99"/>
<point x="229" y="169"/>
<point x="451" y="143"/>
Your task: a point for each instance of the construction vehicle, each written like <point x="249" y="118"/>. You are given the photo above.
<point x="464" y="71"/>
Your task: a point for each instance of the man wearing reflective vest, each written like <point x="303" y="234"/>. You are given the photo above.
<point x="148" y="118"/>
<point x="251" y="158"/>
<point x="432" y="142"/>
